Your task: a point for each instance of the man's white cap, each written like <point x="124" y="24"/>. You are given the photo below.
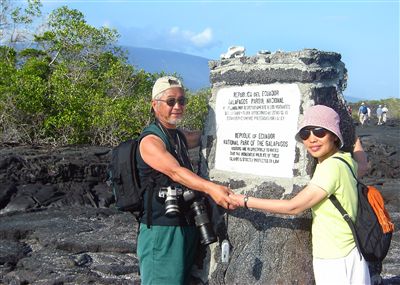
<point x="164" y="83"/>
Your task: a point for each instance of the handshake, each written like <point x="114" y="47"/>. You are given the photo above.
<point x="225" y="197"/>
<point x="239" y="200"/>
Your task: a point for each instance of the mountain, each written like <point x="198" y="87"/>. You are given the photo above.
<point x="193" y="69"/>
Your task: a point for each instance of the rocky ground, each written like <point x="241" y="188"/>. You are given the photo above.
<point x="58" y="224"/>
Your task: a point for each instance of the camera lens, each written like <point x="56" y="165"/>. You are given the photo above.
<point x="207" y="235"/>
<point x="171" y="206"/>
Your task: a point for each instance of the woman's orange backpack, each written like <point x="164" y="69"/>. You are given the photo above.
<point x="376" y="201"/>
<point x="373" y="228"/>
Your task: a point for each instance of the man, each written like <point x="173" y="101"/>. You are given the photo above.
<point x="168" y="240"/>
<point x="379" y="114"/>
<point x="368" y="115"/>
<point x="363" y="113"/>
<point x="385" y="110"/>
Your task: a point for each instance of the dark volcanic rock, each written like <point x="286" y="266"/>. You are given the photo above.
<point x="72" y="245"/>
<point x="56" y="224"/>
<point x="41" y="177"/>
<point x="12" y="251"/>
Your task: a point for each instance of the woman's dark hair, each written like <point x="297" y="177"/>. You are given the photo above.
<point x="337" y="141"/>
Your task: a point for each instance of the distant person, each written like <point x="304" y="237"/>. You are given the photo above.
<point x="363" y="114"/>
<point x="349" y="110"/>
<point x="336" y="259"/>
<point x="379" y="114"/>
<point x="384" y="114"/>
<point x="368" y="115"/>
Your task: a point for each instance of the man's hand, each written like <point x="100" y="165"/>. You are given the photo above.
<point x="239" y="198"/>
<point x="220" y="194"/>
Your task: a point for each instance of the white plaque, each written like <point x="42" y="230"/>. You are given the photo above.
<point x="256" y="126"/>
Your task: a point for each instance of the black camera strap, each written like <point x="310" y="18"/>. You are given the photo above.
<point x="178" y="145"/>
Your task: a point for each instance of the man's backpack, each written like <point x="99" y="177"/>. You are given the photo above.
<point x="364" y="109"/>
<point x="373" y="227"/>
<point x="123" y="177"/>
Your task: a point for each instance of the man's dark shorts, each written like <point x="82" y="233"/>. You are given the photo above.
<point x="166" y="253"/>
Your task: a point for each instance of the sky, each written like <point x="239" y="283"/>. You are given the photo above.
<point x="365" y="33"/>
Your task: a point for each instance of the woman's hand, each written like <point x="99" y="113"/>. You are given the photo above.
<point x="222" y="196"/>
<point x="238" y="198"/>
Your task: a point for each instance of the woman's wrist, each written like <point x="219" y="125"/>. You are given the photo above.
<point x="245" y="201"/>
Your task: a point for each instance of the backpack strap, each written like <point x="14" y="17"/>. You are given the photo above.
<point x="347" y="218"/>
<point x="351" y="170"/>
<point x="343" y="212"/>
<point x="135" y="174"/>
<point x="156" y="130"/>
<point x="150" y="207"/>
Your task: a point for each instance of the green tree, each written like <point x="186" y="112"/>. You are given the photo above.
<point x="70" y="39"/>
<point x="197" y="109"/>
<point x="81" y="57"/>
<point x="77" y="87"/>
<point x="7" y="69"/>
<point x="22" y="94"/>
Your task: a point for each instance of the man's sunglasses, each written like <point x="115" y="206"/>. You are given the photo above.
<point x="318" y="132"/>
<point x="172" y="101"/>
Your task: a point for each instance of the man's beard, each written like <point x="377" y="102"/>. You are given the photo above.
<point x="174" y="121"/>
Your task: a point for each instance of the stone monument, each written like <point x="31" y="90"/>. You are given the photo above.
<point x="248" y="143"/>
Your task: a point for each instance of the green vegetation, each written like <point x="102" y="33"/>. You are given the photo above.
<point x="393" y="104"/>
<point x="75" y="86"/>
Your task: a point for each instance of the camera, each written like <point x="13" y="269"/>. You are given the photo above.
<point x="171" y="195"/>
<point x="197" y="210"/>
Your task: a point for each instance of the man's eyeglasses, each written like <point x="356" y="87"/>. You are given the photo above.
<point x="172" y="101"/>
<point x="318" y="132"/>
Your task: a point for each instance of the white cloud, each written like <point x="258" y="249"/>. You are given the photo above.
<point x="203" y="38"/>
<point x="173" y="38"/>
<point x="199" y="40"/>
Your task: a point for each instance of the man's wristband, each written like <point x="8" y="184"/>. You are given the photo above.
<point x="246" y="199"/>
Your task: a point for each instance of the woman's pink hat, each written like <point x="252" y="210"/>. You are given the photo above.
<point x="324" y="117"/>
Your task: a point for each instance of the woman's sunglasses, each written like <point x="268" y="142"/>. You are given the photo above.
<point x="172" y="101"/>
<point x="318" y="132"/>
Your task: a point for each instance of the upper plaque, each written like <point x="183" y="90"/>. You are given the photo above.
<point x="255" y="128"/>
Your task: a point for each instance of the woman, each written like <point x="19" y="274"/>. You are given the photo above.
<point x="336" y="259"/>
